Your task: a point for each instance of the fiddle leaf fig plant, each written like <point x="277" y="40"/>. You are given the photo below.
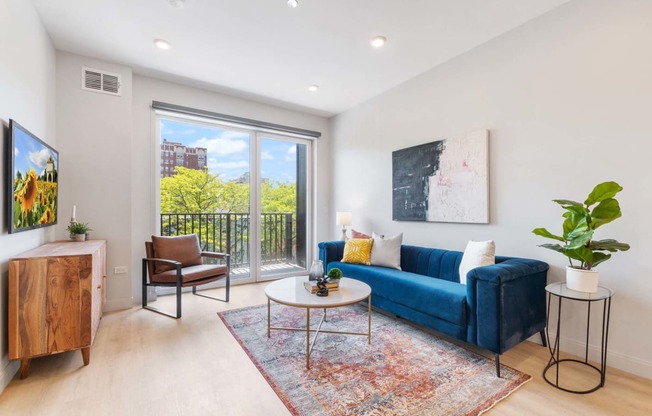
<point x="580" y="223"/>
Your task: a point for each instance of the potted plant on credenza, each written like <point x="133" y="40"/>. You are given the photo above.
<point x="78" y="230"/>
<point x="580" y="223"/>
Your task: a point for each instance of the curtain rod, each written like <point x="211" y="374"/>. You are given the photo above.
<point x="157" y="105"/>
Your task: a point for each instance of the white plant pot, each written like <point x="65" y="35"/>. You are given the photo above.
<point x="582" y="280"/>
<point x="80" y="237"/>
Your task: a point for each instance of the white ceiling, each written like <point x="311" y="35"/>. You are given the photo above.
<point x="265" y="50"/>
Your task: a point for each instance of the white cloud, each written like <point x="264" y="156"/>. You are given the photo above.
<point x="266" y="155"/>
<point x="291" y="154"/>
<point x="16" y="151"/>
<point x="223" y="145"/>
<point x="40" y="158"/>
<point x="231" y="165"/>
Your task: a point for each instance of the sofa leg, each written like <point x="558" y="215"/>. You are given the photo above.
<point x="543" y="337"/>
<point x="498" y="365"/>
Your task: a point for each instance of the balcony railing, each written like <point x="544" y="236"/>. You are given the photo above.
<point x="229" y="233"/>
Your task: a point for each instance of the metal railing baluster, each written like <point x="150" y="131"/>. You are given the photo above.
<point x="229" y="232"/>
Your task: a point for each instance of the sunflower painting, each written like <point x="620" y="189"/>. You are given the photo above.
<point x="35" y="167"/>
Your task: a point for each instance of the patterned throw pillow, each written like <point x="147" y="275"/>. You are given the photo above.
<point x="358" y="250"/>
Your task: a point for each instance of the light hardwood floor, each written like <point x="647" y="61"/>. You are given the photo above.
<point x="143" y="363"/>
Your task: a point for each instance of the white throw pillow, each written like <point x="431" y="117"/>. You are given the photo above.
<point x="386" y="252"/>
<point x="476" y="254"/>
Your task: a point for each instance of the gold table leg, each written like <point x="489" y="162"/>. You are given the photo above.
<point x="308" y="338"/>
<point x="310" y="344"/>
<point x="369" y="313"/>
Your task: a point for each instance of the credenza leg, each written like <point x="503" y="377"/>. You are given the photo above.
<point x="86" y="355"/>
<point x="24" y="368"/>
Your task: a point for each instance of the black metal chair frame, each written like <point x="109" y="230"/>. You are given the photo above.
<point x="178" y="283"/>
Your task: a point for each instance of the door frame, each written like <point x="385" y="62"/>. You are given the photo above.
<point x="260" y="136"/>
<point x="256" y="135"/>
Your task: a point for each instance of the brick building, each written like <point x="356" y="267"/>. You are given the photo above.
<point x="176" y="154"/>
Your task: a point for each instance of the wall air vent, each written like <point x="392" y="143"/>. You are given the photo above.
<point x="100" y="81"/>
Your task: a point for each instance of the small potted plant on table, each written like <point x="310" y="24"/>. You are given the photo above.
<point x="78" y="230"/>
<point x="580" y="223"/>
<point x="334" y="275"/>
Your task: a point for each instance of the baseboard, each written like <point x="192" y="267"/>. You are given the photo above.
<point x="7" y="374"/>
<point x="118" y="304"/>
<point x="615" y="359"/>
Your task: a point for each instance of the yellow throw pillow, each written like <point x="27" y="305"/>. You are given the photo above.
<point x="358" y="250"/>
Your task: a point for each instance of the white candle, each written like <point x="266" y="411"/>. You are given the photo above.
<point x="74" y="211"/>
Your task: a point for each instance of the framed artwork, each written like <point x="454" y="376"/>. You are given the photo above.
<point x="33" y="181"/>
<point x="443" y="181"/>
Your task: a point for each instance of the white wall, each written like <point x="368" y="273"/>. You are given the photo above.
<point x="106" y="151"/>
<point x="95" y="164"/>
<point x="27" y="94"/>
<point x="148" y="89"/>
<point x="566" y="98"/>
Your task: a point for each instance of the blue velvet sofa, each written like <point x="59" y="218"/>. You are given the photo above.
<point x="500" y="306"/>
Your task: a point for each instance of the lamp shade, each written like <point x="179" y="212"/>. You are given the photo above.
<point x="343" y="218"/>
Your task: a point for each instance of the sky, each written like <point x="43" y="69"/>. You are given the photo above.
<point x="228" y="150"/>
<point x="30" y="153"/>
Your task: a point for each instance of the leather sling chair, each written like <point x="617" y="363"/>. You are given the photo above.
<point x="177" y="262"/>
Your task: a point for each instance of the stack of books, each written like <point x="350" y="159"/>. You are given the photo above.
<point x="311" y="285"/>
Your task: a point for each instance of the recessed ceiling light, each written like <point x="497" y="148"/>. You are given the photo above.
<point x="177" y="3"/>
<point x="378" y="41"/>
<point x="293" y="3"/>
<point x="313" y="88"/>
<point x="162" y="44"/>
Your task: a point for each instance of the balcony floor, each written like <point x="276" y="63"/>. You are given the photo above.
<point x="239" y="274"/>
<point x="268" y="270"/>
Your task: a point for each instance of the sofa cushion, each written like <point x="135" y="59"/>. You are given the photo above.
<point x="358" y="234"/>
<point x="477" y="254"/>
<point x="358" y="250"/>
<point x="433" y="262"/>
<point x="436" y="297"/>
<point x="386" y="252"/>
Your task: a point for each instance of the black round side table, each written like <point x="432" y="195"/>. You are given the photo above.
<point x="561" y="292"/>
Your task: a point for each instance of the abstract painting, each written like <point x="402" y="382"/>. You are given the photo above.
<point x="443" y="181"/>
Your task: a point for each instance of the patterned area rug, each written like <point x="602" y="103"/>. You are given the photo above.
<point x="405" y="371"/>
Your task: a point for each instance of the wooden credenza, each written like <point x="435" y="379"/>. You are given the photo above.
<point x="56" y="296"/>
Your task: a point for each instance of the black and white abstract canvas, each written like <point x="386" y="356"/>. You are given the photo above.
<point x="443" y="181"/>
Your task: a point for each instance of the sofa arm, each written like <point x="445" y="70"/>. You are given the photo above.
<point x="507" y="303"/>
<point x="330" y="251"/>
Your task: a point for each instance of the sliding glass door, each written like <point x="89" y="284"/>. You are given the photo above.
<point x="283" y="205"/>
<point x="242" y="191"/>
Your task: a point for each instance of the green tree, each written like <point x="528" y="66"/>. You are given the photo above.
<point x="234" y="197"/>
<point x="192" y="191"/>
<point x="279" y="197"/>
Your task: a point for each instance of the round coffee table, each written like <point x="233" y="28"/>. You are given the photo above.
<point x="291" y="292"/>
